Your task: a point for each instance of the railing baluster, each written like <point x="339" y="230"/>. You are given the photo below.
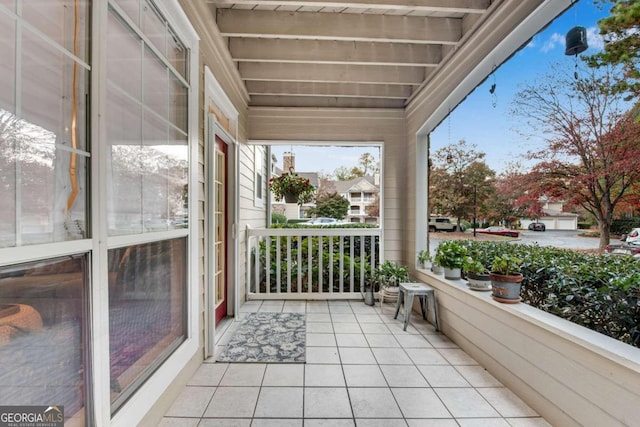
<point x="267" y="267"/>
<point x="299" y="263"/>
<point x="320" y="246"/>
<point x="310" y="264"/>
<point x="288" y="264"/>
<point x="330" y="264"/>
<point x="351" y="256"/>
<point x="363" y="260"/>
<point x="341" y="264"/>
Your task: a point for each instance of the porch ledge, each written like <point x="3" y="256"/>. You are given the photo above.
<point x="570" y="374"/>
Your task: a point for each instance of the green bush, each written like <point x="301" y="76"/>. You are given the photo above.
<point x="599" y="292"/>
<point x="277" y="218"/>
<point x="624" y="225"/>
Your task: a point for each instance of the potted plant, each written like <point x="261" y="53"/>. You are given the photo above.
<point x="424" y="259"/>
<point x="388" y="277"/>
<point x="292" y="187"/>
<point x="506" y="278"/>
<point x="451" y="255"/>
<point x="478" y="278"/>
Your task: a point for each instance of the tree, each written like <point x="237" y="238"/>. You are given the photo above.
<point x="373" y="209"/>
<point x="330" y="205"/>
<point x="458" y="179"/>
<point x="592" y="141"/>
<point x="343" y="173"/>
<point x="621" y="32"/>
<point x="369" y="164"/>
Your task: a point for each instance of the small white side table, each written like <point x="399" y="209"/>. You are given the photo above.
<point x="426" y="294"/>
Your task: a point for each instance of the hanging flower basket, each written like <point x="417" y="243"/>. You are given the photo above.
<point x="292" y="187"/>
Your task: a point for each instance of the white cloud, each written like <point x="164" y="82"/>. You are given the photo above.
<point x="552" y="42"/>
<point x="594" y="39"/>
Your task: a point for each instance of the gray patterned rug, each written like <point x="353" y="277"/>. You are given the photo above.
<point x="268" y="338"/>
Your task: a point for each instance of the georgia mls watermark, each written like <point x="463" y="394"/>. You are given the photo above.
<point x="31" y="416"/>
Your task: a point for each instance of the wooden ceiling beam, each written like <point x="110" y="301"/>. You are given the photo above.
<point x="374" y="74"/>
<point x="353" y="90"/>
<point x="439" y="6"/>
<point x="324" y="102"/>
<point x="334" y="52"/>
<point x="338" y="26"/>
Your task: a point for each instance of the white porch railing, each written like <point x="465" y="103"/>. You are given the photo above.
<point x="310" y="263"/>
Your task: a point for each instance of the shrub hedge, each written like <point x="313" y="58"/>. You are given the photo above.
<point x="600" y="292"/>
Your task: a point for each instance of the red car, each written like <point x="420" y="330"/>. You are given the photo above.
<point x="499" y="231"/>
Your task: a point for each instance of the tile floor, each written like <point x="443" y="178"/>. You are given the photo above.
<point x="362" y="369"/>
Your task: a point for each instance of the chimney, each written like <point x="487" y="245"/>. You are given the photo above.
<point x="288" y="161"/>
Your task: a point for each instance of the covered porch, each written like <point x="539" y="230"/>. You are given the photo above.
<point x="361" y="369"/>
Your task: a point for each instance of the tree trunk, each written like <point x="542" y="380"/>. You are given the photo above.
<point x="603" y="228"/>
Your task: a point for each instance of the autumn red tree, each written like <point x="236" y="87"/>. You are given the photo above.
<point x="592" y="141"/>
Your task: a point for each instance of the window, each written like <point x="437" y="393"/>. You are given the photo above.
<point x="43" y="153"/>
<point x="147" y="192"/>
<point x="259" y="177"/>
<point x="146" y="127"/>
<point x="147" y="312"/>
<point x="43" y="320"/>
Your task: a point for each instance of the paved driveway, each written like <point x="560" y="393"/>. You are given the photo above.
<point x="569" y="239"/>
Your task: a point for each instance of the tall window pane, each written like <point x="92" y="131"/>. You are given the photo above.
<point x="43" y="124"/>
<point x="147" y="288"/>
<point x="146" y="128"/>
<point x="43" y="324"/>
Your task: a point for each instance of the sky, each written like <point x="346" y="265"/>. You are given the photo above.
<point x="482" y="118"/>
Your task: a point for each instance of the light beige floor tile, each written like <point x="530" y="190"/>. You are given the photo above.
<point x="432" y="423"/>
<point x="351" y="340"/>
<point x="440" y="341"/>
<point x="318" y="317"/>
<point x="191" y="402"/>
<point x="323" y="376"/>
<point x="356" y="356"/>
<point x="457" y="356"/>
<point x="286" y="374"/>
<point x="279" y="402"/>
<point x="426" y="356"/>
<point x="391" y="356"/>
<point x="225" y="422"/>
<point x="373" y="403"/>
<point x="326" y="402"/>
<point x="321" y="340"/>
<point x="389" y="422"/>
<point x="369" y="318"/>
<point x="477" y="376"/>
<point x="403" y="376"/>
<point x="244" y="374"/>
<point x="506" y="402"/>
<point x="528" y="422"/>
<point x="364" y="376"/>
<point x="340" y="309"/>
<point x="466" y="403"/>
<point x="347" y="328"/>
<point x="328" y="422"/>
<point x="209" y="374"/>
<point x="420" y="403"/>
<point x="343" y="318"/>
<point x="319" y="327"/>
<point x="382" y="340"/>
<point x="363" y="309"/>
<point x="274" y="422"/>
<point x="482" y="422"/>
<point x="426" y="328"/>
<point x="397" y="328"/>
<point x="233" y="402"/>
<point x="179" y="422"/>
<point x="313" y="308"/>
<point x="443" y="376"/>
<point x="322" y="355"/>
<point x="375" y="328"/>
<point x="413" y="341"/>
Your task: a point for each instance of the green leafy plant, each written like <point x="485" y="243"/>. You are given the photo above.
<point x="472" y="265"/>
<point x="424" y="256"/>
<point x="507" y="265"/>
<point x="451" y="254"/>
<point x="390" y="274"/>
<point x="292" y="184"/>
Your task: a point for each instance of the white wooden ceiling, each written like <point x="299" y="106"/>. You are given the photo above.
<point x="342" y="53"/>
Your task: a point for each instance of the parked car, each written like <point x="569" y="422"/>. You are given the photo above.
<point x="633" y="236"/>
<point x="628" y="249"/>
<point x="443" y="224"/>
<point x="537" y="226"/>
<point x="322" y="221"/>
<point x="499" y="231"/>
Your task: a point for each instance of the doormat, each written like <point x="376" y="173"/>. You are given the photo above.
<point x="267" y="338"/>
